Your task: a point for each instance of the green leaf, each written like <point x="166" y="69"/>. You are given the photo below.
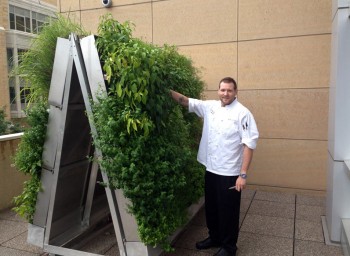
<point x="134" y="125"/>
<point x="128" y="125"/>
<point x="119" y="90"/>
<point x="134" y="88"/>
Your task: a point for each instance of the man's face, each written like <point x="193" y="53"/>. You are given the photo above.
<point x="227" y="93"/>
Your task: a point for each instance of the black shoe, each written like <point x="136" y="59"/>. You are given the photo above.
<point x="223" y="252"/>
<point x="206" y="244"/>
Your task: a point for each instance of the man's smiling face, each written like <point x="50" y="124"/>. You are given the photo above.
<point x="227" y="93"/>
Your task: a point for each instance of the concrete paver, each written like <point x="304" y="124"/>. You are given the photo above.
<point x="272" y="224"/>
<point x="309" y="230"/>
<point x="256" y="244"/>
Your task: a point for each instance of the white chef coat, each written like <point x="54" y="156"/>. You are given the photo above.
<point x="225" y="130"/>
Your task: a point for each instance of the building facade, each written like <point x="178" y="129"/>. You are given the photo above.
<point x="279" y="53"/>
<point x="20" y="21"/>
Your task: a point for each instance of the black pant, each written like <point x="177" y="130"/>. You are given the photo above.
<point x="222" y="206"/>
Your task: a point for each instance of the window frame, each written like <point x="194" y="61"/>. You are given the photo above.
<point x="33" y="16"/>
<point x="26" y="20"/>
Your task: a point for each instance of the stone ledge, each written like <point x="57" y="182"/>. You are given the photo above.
<point x="11" y="136"/>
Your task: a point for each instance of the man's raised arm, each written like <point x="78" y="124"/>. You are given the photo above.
<point x="178" y="97"/>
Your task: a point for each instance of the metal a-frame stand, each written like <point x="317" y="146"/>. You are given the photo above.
<point x="73" y="206"/>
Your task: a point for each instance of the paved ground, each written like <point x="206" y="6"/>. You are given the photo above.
<point x="272" y="224"/>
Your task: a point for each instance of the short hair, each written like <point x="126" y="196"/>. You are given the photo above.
<point x="229" y="80"/>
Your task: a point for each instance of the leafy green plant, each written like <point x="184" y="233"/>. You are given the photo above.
<point x="29" y="161"/>
<point x="8" y="127"/>
<point x="148" y="142"/>
<point x="35" y="67"/>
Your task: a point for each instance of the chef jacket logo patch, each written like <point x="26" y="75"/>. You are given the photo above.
<point x="245" y="126"/>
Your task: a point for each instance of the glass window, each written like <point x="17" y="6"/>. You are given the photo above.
<point x="13" y="104"/>
<point x="27" y="24"/>
<point x="26" y="20"/>
<point x="21" y="95"/>
<point x="12" y="95"/>
<point x="21" y="17"/>
<point x="38" y="20"/>
<point x="34" y="25"/>
<point x="24" y="90"/>
<point x="20" y="53"/>
<point x="12" y="21"/>
<point x="9" y="59"/>
<point x="24" y="94"/>
<point x="40" y="26"/>
<point x="20" y="23"/>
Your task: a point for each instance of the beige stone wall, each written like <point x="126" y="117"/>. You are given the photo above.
<point x="11" y="181"/>
<point x="4" y="91"/>
<point x="52" y="2"/>
<point x="3" y="13"/>
<point x="279" y="52"/>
